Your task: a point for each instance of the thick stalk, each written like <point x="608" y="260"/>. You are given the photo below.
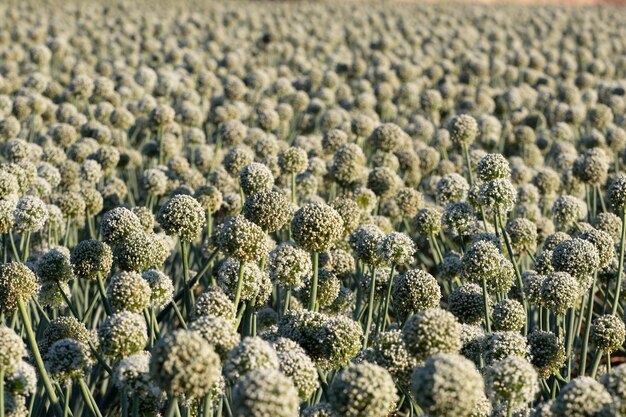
<point x="91" y="403"/>
<point x="518" y="275"/>
<point x="620" y="265"/>
<point x="470" y="176"/>
<point x="313" y="295"/>
<point x="486" y="305"/>
<point x="32" y="343"/>
<point x="570" y="341"/>
<point x="2" y="393"/>
<point x="103" y="295"/>
<point x="596" y="363"/>
<point x="370" y="308"/>
<point x="186" y="297"/>
<point x="239" y="283"/>
<point x="68" y="396"/>
<point x="388" y="297"/>
<point x="588" y="318"/>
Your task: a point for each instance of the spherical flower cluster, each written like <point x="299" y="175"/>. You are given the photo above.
<point x="498" y="195"/>
<point x="30" y="214"/>
<point x="616" y="193"/>
<point x="220" y="332"/>
<point x="509" y="315"/>
<point x="330" y="341"/>
<point x="209" y="197"/>
<point x="316" y="227"/>
<point x="255" y="177"/>
<point x="128" y="291"/>
<point x="463" y="130"/>
<point x="447" y="384"/>
<point x="578" y="258"/>
<point x="387" y="137"/>
<point x="500" y="345"/>
<point x="512" y="381"/>
<point x="253" y="282"/>
<point x="17" y="284"/>
<point x="568" y="210"/>
<point x="430" y="332"/>
<point x="66" y="327"/>
<point x="123" y="334"/>
<point x="413" y="291"/>
<point x="523" y="235"/>
<point x="252" y="353"/>
<point x="349" y="211"/>
<point x="293" y="160"/>
<point x="614" y="382"/>
<point x="12" y="349"/>
<point x="582" y="396"/>
<point x="363" y="390"/>
<point x="214" y="302"/>
<point x="91" y="259"/>
<point x="264" y="392"/>
<point x="242" y="239"/>
<point x="183" y="363"/>
<point x="328" y="286"/>
<point x="365" y="241"/>
<point x="458" y="219"/>
<point x="271" y="210"/>
<point x="389" y="351"/>
<point x="483" y="261"/>
<point x="467" y="304"/>
<point x="68" y="359"/>
<point x="289" y="266"/>
<point x="182" y="216"/>
<point x="493" y="166"/>
<point x="132" y="374"/>
<point x="161" y="288"/>
<point x="296" y="364"/>
<point x="547" y="352"/>
<point x="608" y="333"/>
<point x="603" y="243"/>
<point x="427" y="222"/>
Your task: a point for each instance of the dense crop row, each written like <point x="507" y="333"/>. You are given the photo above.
<point x="282" y="210"/>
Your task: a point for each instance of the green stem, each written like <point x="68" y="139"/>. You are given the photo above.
<point x="588" y="318"/>
<point x="135" y="406"/>
<point x="186" y="297"/>
<point x="68" y="396"/>
<point x="103" y="295"/>
<point x="620" y="265"/>
<point x="518" y="275"/>
<point x="470" y="176"/>
<point x="32" y="342"/>
<point x="486" y="304"/>
<point x="91" y="403"/>
<point x="388" y="297"/>
<point x="313" y="295"/>
<point x="124" y="401"/>
<point x="294" y="199"/>
<point x="370" y="308"/>
<point x="570" y="341"/>
<point x="596" y="363"/>
<point x="2" y="393"/>
<point x="26" y="247"/>
<point x="433" y="239"/>
<point x="16" y="256"/>
<point x="239" y="283"/>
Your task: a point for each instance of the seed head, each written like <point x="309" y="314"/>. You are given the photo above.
<point x="363" y="390"/>
<point x="448" y="385"/>
<point x="184" y="363"/>
<point x="430" y="332"/>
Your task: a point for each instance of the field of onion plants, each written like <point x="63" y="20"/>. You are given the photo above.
<point x="317" y="210"/>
